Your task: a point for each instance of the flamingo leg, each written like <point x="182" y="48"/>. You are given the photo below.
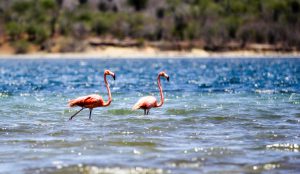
<point x="145" y="112"/>
<point x="90" y="117"/>
<point x="148" y="111"/>
<point x="75" y="114"/>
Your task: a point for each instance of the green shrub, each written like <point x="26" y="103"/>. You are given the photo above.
<point x="14" y="30"/>
<point x="21" y="6"/>
<point x="37" y="33"/>
<point x="100" y="27"/>
<point x="21" y="46"/>
<point x="48" y="4"/>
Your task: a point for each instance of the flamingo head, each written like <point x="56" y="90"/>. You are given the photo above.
<point x="164" y="75"/>
<point x="108" y="72"/>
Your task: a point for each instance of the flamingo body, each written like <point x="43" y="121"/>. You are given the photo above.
<point x="89" y="101"/>
<point x="147" y="102"/>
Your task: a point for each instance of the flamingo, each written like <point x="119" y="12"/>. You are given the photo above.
<point x="94" y="100"/>
<point x="148" y="102"/>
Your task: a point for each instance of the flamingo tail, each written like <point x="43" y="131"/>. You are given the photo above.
<point x="136" y="106"/>
<point x="72" y="103"/>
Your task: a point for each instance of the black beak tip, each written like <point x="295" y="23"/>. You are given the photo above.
<point x="168" y="78"/>
<point x="114" y="77"/>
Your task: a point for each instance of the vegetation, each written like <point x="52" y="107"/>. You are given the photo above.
<point x="210" y="24"/>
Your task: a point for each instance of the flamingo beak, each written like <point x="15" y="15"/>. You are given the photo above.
<point x="168" y="78"/>
<point x="114" y="76"/>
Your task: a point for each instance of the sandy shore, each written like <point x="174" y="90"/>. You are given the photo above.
<point x="148" y="52"/>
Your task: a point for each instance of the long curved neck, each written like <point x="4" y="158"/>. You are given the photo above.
<point x="108" y="91"/>
<point x="160" y="92"/>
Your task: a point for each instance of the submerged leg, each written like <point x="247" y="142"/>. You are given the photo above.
<point x="148" y="111"/>
<point x="75" y="114"/>
<point x="90" y="117"/>
<point x="145" y="112"/>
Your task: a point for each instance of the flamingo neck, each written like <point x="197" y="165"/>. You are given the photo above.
<point x="160" y="92"/>
<point x="108" y="91"/>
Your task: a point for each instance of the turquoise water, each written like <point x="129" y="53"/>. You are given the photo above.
<point x="219" y="116"/>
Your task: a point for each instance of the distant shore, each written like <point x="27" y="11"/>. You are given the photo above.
<point x="111" y="52"/>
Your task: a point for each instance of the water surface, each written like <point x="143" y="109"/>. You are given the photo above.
<point x="219" y="116"/>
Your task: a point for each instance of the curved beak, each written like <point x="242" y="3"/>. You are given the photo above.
<point x="114" y="76"/>
<point x="168" y="78"/>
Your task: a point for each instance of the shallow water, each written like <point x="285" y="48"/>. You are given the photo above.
<point x="219" y="116"/>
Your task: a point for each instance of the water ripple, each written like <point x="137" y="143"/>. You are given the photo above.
<point x="219" y="116"/>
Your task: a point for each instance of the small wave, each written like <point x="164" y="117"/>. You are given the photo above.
<point x="5" y="94"/>
<point x="265" y="91"/>
<point x="133" y="143"/>
<point x="120" y="112"/>
<point x="284" y="146"/>
<point x="292" y="121"/>
<point x="185" y="164"/>
<point x="271" y="136"/>
<point x="268" y="115"/>
<point x="218" y="118"/>
<point x="82" y="168"/>
<point x="294" y="98"/>
<point x="182" y="111"/>
<point x="191" y="120"/>
<point x="25" y="106"/>
<point x="221" y="118"/>
<point x="139" y="120"/>
<point x="53" y="143"/>
<point x="267" y="166"/>
<point x="271" y="91"/>
<point x="234" y="80"/>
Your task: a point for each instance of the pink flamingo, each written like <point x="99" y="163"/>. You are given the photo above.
<point x="148" y="102"/>
<point x="94" y="100"/>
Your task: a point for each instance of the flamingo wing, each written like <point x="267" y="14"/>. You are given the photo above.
<point x="145" y="103"/>
<point x="89" y="101"/>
